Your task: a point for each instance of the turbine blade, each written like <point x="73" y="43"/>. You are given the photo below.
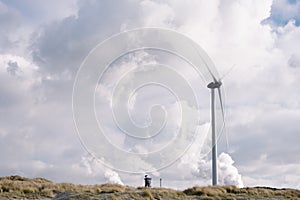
<point x="223" y="117"/>
<point x="210" y="72"/>
<point x="215" y="79"/>
<point x="221" y="103"/>
<point x="228" y="72"/>
<point x="226" y="136"/>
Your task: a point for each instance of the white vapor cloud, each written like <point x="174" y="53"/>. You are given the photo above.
<point x="112" y="177"/>
<point x="227" y="173"/>
<point x="94" y="168"/>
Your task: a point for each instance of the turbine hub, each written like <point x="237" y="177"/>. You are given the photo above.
<point x="214" y="85"/>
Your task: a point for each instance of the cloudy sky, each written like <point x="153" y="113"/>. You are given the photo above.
<point x="42" y="46"/>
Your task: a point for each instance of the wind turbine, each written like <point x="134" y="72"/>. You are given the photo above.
<point x="212" y="86"/>
<point x="215" y="84"/>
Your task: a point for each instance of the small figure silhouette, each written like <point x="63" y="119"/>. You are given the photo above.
<point x="147" y="181"/>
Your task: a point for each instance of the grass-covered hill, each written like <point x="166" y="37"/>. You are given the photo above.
<point x="16" y="187"/>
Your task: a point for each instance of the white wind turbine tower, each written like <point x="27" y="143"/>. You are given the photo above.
<point x="214" y="85"/>
<point x="211" y="74"/>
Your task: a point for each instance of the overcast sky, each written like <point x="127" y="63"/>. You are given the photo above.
<point x="42" y="46"/>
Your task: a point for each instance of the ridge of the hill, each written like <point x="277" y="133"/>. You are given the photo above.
<point x="17" y="187"/>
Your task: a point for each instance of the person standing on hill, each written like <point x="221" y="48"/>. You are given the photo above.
<point x="147" y="181"/>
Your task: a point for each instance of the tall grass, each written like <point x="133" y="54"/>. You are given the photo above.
<point x="17" y="187"/>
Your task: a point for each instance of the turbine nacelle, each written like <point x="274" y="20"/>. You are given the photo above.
<point x="213" y="85"/>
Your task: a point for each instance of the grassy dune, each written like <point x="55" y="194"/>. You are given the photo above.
<point x="16" y="187"/>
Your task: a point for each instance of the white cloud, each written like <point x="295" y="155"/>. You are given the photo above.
<point x="37" y="73"/>
<point x="92" y="168"/>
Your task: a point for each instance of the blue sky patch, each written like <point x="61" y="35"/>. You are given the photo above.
<point x="283" y="11"/>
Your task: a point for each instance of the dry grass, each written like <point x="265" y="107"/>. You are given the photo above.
<point x="16" y="187"/>
<point x="232" y="192"/>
